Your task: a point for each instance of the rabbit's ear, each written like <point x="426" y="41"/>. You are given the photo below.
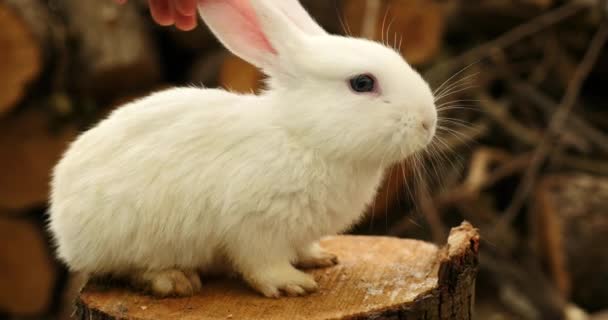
<point x="259" y="31"/>
<point x="298" y="15"/>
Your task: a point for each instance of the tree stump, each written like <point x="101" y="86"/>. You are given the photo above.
<point x="377" y="278"/>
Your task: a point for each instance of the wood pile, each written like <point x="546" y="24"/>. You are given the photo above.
<point x="522" y="151"/>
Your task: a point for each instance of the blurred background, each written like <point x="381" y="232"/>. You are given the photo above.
<point x="522" y="152"/>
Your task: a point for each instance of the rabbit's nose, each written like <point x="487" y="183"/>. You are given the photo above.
<point x="426" y="125"/>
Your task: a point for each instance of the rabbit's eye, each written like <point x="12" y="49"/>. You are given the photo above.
<point x="363" y="83"/>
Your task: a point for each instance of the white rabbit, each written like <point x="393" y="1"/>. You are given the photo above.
<point x="193" y="180"/>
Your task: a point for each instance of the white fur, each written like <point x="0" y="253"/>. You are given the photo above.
<point x="193" y="178"/>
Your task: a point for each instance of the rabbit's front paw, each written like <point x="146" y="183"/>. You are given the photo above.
<point x="316" y="257"/>
<point x="285" y="280"/>
<point x="170" y="282"/>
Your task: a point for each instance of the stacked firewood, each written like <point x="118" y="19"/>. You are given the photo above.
<point x="522" y="151"/>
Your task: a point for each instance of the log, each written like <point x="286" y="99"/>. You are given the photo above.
<point x="26" y="39"/>
<point x="377" y="278"/>
<point x="28" y="151"/>
<point x="572" y="226"/>
<point x="28" y="270"/>
<point x="115" y="49"/>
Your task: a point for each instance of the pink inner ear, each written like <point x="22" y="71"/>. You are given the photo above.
<point x="242" y="19"/>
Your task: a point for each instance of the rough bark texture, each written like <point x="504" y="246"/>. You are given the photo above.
<point x="377" y="278"/>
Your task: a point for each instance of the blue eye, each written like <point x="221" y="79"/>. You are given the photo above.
<point x="363" y="83"/>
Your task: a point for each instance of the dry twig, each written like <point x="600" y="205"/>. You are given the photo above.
<point x="547" y="105"/>
<point x="514" y="35"/>
<point x="557" y="122"/>
<point x="499" y="113"/>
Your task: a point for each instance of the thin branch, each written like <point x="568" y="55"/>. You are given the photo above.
<point x="547" y="105"/>
<point x="514" y="35"/>
<point x="596" y="166"/>
<point x="499" y="113"/>
<point x="555" y="125"/>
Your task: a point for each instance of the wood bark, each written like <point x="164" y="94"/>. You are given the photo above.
<point x="377" y="278"/>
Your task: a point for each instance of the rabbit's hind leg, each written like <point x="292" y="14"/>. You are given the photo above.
<point x="314" y="256"/>
<point x="168" y="282"/>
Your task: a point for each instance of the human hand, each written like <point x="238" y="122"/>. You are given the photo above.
<point x="181" y="13"/>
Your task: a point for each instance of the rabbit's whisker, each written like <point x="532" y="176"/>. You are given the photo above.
<point x="456" y="91"/>
<point x="458" y="101"/>
<point x="455" y="75"/>
<point x="343" y="23"/>
<point x="383" y="25"/>
<point x="467" y="79"/>
<point x="458" y="84"/>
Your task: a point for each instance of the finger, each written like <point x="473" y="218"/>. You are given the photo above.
<point x="161" y="12"/>
<point x="186" y="7"/>
<point x="185" y="23"/>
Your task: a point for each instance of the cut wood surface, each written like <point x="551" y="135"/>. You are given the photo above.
<point x="377" y="278"/>
<point x="27" y="270"/>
